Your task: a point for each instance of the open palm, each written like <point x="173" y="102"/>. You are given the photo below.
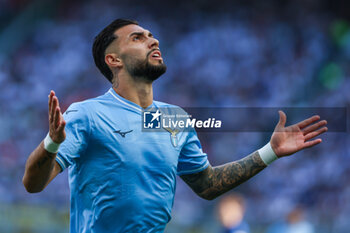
<point x="288" y="140"/>
<point x="56" y="120"/>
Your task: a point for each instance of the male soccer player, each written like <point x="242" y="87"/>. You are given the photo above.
<point x="122" y="179"/>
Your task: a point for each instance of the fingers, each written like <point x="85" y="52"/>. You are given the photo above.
<point x="312" y="131"/>
<point x="51" y="95"/>
<point x="314" y="127"/>
<point x="53" y="108"/>
<point x="315" y="133"/>
<point x="282" y="121"/>
<point x="56" y="120"/>
<point x="61" y="125"/>
<point x="54" y="111"/>
<point x="52" y="105"/>
<point x="308" y="121"/>
<point x="312" y="143"/>
<point x="60" y="121"/>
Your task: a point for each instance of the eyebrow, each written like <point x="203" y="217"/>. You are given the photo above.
<point x="141" y="34"/>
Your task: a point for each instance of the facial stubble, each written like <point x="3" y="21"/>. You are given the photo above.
<point x="143" y="70"/>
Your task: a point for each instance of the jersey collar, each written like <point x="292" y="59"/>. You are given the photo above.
<point x="128" y="103"/>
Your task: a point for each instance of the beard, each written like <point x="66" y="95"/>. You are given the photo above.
<point x="143" y="70"/>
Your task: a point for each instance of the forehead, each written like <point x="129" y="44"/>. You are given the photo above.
<point x="128" y="29"/>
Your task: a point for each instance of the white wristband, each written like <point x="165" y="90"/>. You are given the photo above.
<point x="267" y="154"/>
<point x="50" y="145"/>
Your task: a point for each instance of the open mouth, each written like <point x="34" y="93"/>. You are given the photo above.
<point x="156" y="54"/>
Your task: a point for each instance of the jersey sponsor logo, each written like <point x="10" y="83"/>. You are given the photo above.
<point x="123" y="134"/>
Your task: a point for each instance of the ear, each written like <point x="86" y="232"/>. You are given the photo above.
<point x="113" y="60"/>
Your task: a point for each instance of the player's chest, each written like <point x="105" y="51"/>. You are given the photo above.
<point x="124" y="138"/>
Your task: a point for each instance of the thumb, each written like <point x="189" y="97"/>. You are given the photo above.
<point x="283" y="118"/>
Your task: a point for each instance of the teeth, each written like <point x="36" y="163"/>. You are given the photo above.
<point x="156" y="55"/>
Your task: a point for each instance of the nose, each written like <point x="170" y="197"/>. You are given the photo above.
<point x="154" y="43"/>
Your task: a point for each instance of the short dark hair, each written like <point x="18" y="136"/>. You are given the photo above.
<point x="103" y="40"/>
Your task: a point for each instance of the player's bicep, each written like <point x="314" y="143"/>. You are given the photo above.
<point x="56" y="169"/>
<point x="200" y="181"/>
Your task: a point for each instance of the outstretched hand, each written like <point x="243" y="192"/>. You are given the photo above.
<point x="288" y="140"/>
<point x="56" y="121"/>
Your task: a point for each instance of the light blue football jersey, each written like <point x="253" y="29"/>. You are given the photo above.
<point x="121" y="178"/>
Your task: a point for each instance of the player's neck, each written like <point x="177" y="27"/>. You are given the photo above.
<point x="139" y="93"/>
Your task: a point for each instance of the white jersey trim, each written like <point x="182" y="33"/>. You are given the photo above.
<point x="58" y="159"/>
<point x="120" y="100"/>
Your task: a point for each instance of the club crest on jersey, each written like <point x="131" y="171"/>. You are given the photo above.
<point x="173" y="137"/>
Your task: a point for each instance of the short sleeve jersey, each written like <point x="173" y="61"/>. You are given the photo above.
<point x="121" y="178"/>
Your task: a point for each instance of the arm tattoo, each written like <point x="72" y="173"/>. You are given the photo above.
<point x="215" y="181"/>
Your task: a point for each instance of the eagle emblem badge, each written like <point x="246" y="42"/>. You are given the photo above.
<point x="173" y="137"/>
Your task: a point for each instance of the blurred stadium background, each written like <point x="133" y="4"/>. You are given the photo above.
<point x="219" y="53"/>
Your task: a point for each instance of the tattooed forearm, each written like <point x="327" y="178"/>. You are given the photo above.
<point x="215" y="181"/>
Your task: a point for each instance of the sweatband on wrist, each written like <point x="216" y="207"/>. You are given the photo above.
<point x="50" y="145"/>
<point x="267" y="154"/>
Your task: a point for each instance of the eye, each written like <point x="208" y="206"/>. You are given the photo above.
<point x="136" y="38"/>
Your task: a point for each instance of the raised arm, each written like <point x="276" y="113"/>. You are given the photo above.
<point x="214" y="181"/>
<point x="41" y="166"/>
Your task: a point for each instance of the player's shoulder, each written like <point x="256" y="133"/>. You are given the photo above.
<point x="92" y="102"/>
<point x="89" y="105"/>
